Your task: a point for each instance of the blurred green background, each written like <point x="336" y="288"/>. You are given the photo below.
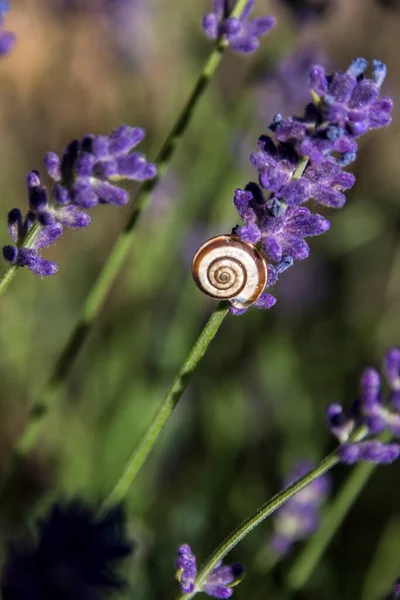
<point x="257" y="401"/>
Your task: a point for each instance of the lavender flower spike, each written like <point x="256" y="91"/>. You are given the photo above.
<point x="218" y="585"/>
<point x="372" y="412"/>
<point x="7" y="38"/>
<point x="85" y="176"/>
<point x="241" y="33"/>
<point x="305" y="161"/>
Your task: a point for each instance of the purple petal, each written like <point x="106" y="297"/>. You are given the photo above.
<point x="328" y="196"/>
<point x="100" y="146"/>
<point x="261" y="25"/>
<point x="111" y="194"/>
<point x="84" y="195"/>
<point x="296" y="192"/>
<point x="60" y="194"/>
<point x="391" y="364"/>
<point x="317" y="80"/>
<point x="187" y="570"/>
<point x="52" y="164"/>
<point x="31" y="259"/>
<point x="47" y="236"/>
<point x="210" y="25"/>
<point x="247" y="10"/>
<point x="370" y="389"/>
<point x="244" y="45"/>
<point x="249" y="233"/>
<point x="272" y="249"/>
<point x="84" y="164"/>
<point x="218" y="591"/>
<point x="10" y="253"/>
<point x="124" y="138"/>
<point x="15" y="224"/>
<point x="71" y="216"/>
<point x="230" y="27"/>
<point x="265" y="301"/>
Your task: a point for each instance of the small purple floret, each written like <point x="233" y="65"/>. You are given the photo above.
<point x="241" y="33"/>
<point x="218" y="585"/>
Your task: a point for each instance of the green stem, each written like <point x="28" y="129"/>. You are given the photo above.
<point x="266" y="510"/>
<point x="145" y="445"/>
<point x="333" y="517"/>
<point x="11" y="271"/>
<point x="258" y="517"/>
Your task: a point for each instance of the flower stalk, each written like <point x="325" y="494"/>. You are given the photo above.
<point x="145" y="445"/>
<point x="265" y="511"/>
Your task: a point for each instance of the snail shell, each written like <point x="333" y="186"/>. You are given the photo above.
<point x="229" y="269"/>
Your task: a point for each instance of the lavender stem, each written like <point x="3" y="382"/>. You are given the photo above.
<point x="145" y="445"/>
<point x="265" y="511"/>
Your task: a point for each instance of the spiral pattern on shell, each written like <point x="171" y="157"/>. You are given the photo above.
<point x="229" y="269"/>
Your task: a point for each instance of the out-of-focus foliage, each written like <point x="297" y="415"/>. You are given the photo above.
<point x="257" y="401"/>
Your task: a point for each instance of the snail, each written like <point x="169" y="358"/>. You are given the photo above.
<point x="226" y="268"/>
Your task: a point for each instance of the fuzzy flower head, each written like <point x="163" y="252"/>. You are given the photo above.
<point x="86" y="175"/>
<point x="304" y="160"/>
<point x="298" y="518"/>
<point x="7" y="38"/>
<point x="218" y="585"/>
<point x="74" y="556"/>
<point x="241" y="33"/>
<point x="372" y="411"/>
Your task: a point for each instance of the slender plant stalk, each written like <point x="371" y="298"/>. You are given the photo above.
<point x="258" y="517"/>
<point x="145" y="445"/>
<point x="265" y="511"/>
<point x="11" y="270"/>
<point x="334" y="515"/>
<point x="102" y="285"/>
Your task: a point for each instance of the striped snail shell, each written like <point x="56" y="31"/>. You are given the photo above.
<point x="229" y="269"/>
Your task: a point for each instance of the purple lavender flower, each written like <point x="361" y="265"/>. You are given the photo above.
<point x="396" y="589"/>
<point x="370" y="411"/>
<point x="306" y="162"/>
<point x="7" y="38"/>
<point x="218" y="585"/>
<point x="86" y="175"/>
<point x="241" y="33"/>
<point x="298" y="518"/>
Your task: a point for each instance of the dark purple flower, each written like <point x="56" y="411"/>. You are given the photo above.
<point x="241" y="33"/>
<point x="186" y="568"/>
<point x="369" y="410"/>
<point x="396" y="590"/>
<point x="370" y="451"/>
<point x="218" y="585"/>
<point x="298" y="518"/>
<point x="74" y="555"/>
<point x="7" y="38"/>
<point x="85" y="176"/>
